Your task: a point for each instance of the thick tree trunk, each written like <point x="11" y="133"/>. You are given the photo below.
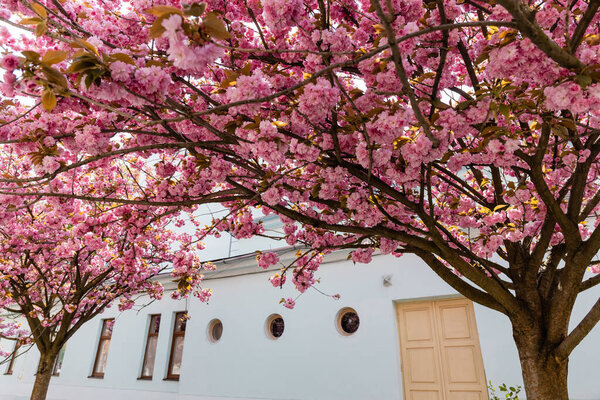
<point x="544" y="377"/>
<point x="42" y="378"/>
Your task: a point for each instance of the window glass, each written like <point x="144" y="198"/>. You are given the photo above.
<point x="103" y="346"/>
<point x="150" y="357"/>
<point x="102" y="357"/>
<point x="348" y="321"/>
<point x="181" y="323"/>
<point x="107" y="327"/>
<point x="151" y="342"/>
<point x="177" y="345"/>
<point x="275" y="326"/>
<point x="177" y="355"/>
<point x="154" y="324"/>
<point x="215" y="330"/>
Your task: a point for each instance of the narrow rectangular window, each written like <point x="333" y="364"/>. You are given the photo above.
<point x="58" y="362"/>
<point x="103" y="345"/>
<point x="177" y="346"/>
<point x="150" y="353"/>
<point x="13" y="356"/>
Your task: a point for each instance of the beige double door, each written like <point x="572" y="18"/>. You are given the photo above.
<point x="439" y="345"/>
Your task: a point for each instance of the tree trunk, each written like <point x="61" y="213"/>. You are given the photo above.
<point x="42" y="377"/>
<point x="544" y="377"/>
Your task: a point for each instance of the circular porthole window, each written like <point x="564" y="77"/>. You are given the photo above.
<point x="275" y="326"/>
<point x="215" y="330"/>
<point x="347" y="321"/>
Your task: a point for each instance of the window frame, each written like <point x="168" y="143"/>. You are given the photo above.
<point x="13" y="356"/>
<point x="270" y="320"/>
<point x="148" y="336"/>
<point x="340" y="316"/>
<point x="211" y="326"/>
<point x="170" y="375"/>
<point x="103" y="338"/>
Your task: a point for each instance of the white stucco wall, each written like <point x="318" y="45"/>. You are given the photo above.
<point x="310" y="361"/>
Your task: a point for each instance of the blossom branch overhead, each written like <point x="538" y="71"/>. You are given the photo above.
<point x="463" y="132"/>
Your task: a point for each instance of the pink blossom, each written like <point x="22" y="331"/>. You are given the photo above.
<point x="288" y="303"/>
<point x="121" y="71"/>
<point x="7" y="86"/>
<point x="318" y="100"/>
<point x="182" y="52"/>
<point x="153" y="80"/>
<point x="281" y="15"/>
<point x="277" y="280"/>
<point x="265" y="260"/>
<point x="49" y="164"/>
<point x="10" y="62"/>
<point x="495" y="146"/>
<point x="271" y="196"/>
<point x="172" y="25"/>
<point x="363" y="256"/>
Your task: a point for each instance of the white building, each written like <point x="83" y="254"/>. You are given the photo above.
<point x="416" y="335"/>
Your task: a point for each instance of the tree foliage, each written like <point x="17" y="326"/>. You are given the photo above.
<point x="465" y="132"/>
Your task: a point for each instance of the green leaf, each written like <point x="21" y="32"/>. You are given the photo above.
<point x="490" y="130"/>
<point x="55" y="76"/>
<point x="195" y="9"/>
<point x="48" y="100"/>
<point x="54" y="57"/>
<point x="85" y="44"/>
<point x="584" y="80"/>
<point x="123" y="58"/>
<point x="80" y="66"/>
<point x="89" y="79"/>
<point x="161" y="11"/>
<point x="30" y="21"/>
<point x="31" y="55"/>
<point x="504" y="109"/>
<point x="214" y="27"/>
<point x="156" y="29"/>
<point x="40" y="29"/>
<point x="39" y="10"/>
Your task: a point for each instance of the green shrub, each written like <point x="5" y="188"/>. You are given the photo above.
<point x="506" y="392"/>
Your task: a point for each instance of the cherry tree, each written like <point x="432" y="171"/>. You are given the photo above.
<point x="64" y="261"/>
<point x="465" y="132"/>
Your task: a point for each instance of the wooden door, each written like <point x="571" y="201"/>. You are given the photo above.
<point x="439" y="347"/>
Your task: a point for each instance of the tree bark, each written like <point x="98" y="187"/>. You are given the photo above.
<point x="42" y="377"/>
<point x="544" y="375"/>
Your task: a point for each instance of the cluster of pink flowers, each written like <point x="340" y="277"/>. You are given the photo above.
<point x="247" y="88"/>
<point x="277" y="280"/>
<point x="363" y="256"/>
<point x="318" y="100"/>
<point x="288" y="303"/>
<point x="281" y="15"/>
<point x="182" y="52"/>
<point x="265" y="260"/>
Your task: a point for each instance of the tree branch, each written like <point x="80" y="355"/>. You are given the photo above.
<point x="579" y="333"/>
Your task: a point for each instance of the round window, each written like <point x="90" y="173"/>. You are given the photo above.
<point x="348" y="321"/>
<point x="275" y="326"/>
<point x="215" y="330"/>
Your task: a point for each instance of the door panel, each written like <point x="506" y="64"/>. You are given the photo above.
<point x="425" y="395"/>
<point x="423" y="368"/>
<point x="460" y="364"/>
<point x="422" y="362"/>
<point x="467" y="396"/>
<point x="439" y="345"/>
